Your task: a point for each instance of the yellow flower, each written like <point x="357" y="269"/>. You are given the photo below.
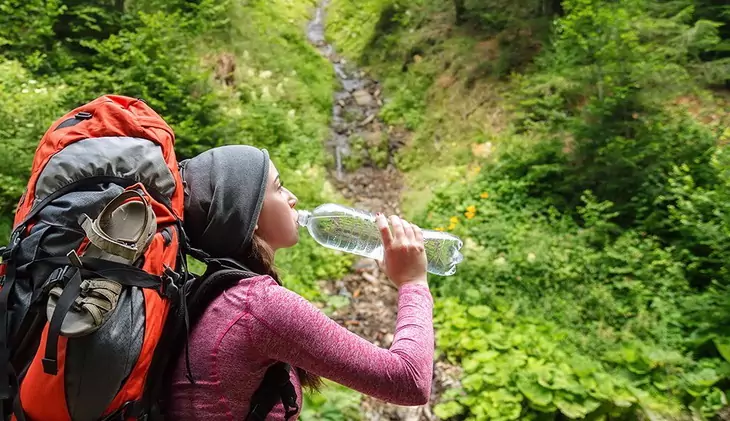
<point x="454" y="220"/>
<point x="452" y="226"/>
<point x="469" y="215"/>
<point x="439" y="229"/>
<point x="484" y="195"/>
<point x="471" y="209"/>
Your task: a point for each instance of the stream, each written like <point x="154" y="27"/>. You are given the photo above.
<point x="370" y="298"/>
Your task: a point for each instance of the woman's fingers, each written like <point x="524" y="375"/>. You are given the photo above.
<point x="398" y="233"/>
<point x="384" y="230"/>
<point x="418" y="234"/>
<point x="408" y="230"/>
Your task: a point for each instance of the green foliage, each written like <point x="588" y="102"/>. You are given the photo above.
<point x="152" y="61"/>
<point x="522" y="368"/>
<point x="335" y="403"/>
<point x="603" y="84"/>
<point x="594" y="284"/>
<point x="27" y="106"/>
<point x="595" y="291"/>
<point x="26" y="28"/>
<point x="166" y="52"/>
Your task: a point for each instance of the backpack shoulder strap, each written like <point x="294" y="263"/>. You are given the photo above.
<point x="276" y="384"/>
<point x="200" y="292"/>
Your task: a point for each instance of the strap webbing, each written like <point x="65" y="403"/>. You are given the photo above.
<point x="4" y="334"/>
<point x="17" y="406"/>
<point x="275" y="386"/>
<point x="70" y="292"/>
<point x="94" y="267"/>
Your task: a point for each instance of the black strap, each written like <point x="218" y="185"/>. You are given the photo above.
<point x="196" y="295"/>
<point x="120" y="181"/>
<point x="17" y="406"/>
<point x="215" y="280"/>
<point x="122" y="273"/>
<point x="134" y="409"/>
<point x="70" y="292"/>
<point x="4" y="334"/>
<point x="8" y="286"/>
<point x="275" y="386"/>
<point x="151" y="405"/>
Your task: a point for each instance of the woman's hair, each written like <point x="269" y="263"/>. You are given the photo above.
<point x="260" y="259"/>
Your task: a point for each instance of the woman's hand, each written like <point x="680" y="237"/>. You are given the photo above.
<point x="404" y="252"/>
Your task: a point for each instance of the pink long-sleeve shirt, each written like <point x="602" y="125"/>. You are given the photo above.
<point x="257" y="323"/>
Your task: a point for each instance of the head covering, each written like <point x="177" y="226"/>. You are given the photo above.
<point x="224" y="192"/>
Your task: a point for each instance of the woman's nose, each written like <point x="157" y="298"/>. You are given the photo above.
<point x="292" y="200"/>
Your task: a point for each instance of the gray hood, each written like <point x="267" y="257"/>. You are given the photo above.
<point x="224" y="193"/>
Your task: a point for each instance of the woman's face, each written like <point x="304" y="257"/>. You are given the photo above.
<point x="277" y="224"/>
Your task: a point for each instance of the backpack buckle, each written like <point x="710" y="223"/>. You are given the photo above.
<point x="7" y="252"/>
<point x="170" y="284"/>
<point x="128" y="409"/>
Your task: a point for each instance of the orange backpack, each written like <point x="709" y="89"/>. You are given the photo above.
<point x="92" y="276"/>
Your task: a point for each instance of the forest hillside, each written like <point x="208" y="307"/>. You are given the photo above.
<point x="579" y="147"/>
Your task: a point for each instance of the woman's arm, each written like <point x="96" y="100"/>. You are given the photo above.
<point x="286" y="327"/>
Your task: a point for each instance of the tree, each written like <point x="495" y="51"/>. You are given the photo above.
<point x="460" y="10"/>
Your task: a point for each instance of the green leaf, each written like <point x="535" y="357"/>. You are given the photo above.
<point x="510" y="411"/>
<point x="499" y="341"/>
<point x="473" y="382"/>
<point x="723" y="347"/>
<point x="548" y="409"/>
<point x="583" y="366"/>
<point x="448" y="409"/>
<point x="640" y="366"/>
<point x="534" y="392"/>
<point x="705" y="378"/>
<point x="479" y="312"/>
<point x="470" y="365"/>
<point x="485" y="356"/>
<point x="555" y="378"/>
<point x="713" y="402"/>
<point x="500" y="378"/>
<point x="623" y="398"/>
<point x="573" y="407"/>
<point x="472" y="344"/>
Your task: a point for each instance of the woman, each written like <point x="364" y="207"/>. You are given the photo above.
<point x="237" y="208"/>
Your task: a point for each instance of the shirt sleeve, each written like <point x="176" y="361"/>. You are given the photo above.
<point x="289" y="328"/>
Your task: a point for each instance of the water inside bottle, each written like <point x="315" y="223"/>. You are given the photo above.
<point x="359" y="234"/>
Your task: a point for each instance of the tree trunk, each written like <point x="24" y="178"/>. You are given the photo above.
<point x="460" y="11"/>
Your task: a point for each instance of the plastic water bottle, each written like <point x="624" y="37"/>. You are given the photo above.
<point x="354" y="231"/>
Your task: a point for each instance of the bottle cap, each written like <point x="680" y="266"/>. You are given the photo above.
<point x="303" y="218"/>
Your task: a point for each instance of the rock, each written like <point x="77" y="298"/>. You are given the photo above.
<point x="341" y="128"/>
<point x="372" y="139"/>
<point x="370" y="278"/>
<point x="377" y="93"/>
<point x="368" y="120"/>
<point x="365" y="265"/>
<point x="363" y="98"/>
